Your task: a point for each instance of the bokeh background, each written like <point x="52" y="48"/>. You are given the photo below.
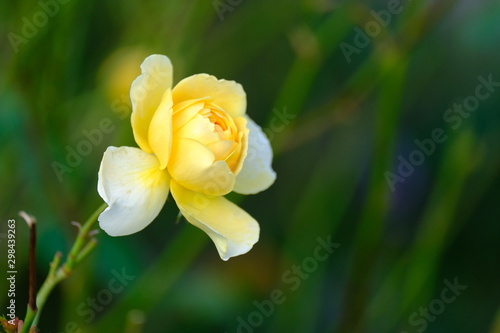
<point x="342" y="110"/>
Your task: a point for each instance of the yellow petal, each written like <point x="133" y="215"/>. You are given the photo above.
<point x="236" y="159"/>
<point x="185" y="111"/>
<point x="147" y="93"/>
<point x="228" y="95"/>
<point x="199" y="128"/>
<point x="134" y="188"/>
<point x="257" y="173"/>
<point x="160" y="130"/>
<point x="193" y="166"/>
<point x="222" y="149"/>
<point x="233" y="230"/>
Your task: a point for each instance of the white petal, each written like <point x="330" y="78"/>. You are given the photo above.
<point x="233" y="230"/>
<point x="257" y="173"/>
<point x="134" y="188"/>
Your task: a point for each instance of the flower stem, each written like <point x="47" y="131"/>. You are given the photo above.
<point x="82" y="247"/>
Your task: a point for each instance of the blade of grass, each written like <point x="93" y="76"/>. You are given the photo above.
<point x="409" y="281"/>
<point x="304" y="70"/>
<point x="495" y="325"/>
<point x="438" y="220"/>
<point x="274" y="18"/>
<point x="362" y="82"/>
<point x="369" y="230"/>
<point x="326" y="199"/>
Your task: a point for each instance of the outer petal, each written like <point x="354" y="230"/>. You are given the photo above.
<point x="193" y="166"/>
<point x="257" y="173"/>
<point x="233" y="230"/>
<point x="147" y="93"/>
<point x="228" y="95"/>
<point x="134" y="188"/>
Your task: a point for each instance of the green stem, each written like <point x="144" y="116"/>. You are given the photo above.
<point x="80" y="250"/>
<point x="30" y="315"/>
<point x="81" y="240"/>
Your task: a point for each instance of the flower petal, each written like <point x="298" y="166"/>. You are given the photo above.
<point x="199" y="129"/>
<point x="256" y="174"/>
<point x="238" y="156"/>
<point x="193" y="165"/>
<point x="147" y="93"/>
<point x="228" y="95"/>
<point x="233" y="230"/>
<point x="160" y="130"/>
<point x="222" y="149"/>
<point x="184" y="112"/>
<point x="134" y="188"/>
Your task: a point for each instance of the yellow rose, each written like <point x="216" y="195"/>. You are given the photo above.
<point x="196" y="142"/>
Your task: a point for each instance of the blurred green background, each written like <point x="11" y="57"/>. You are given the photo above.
<point x="343" y="90"/>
